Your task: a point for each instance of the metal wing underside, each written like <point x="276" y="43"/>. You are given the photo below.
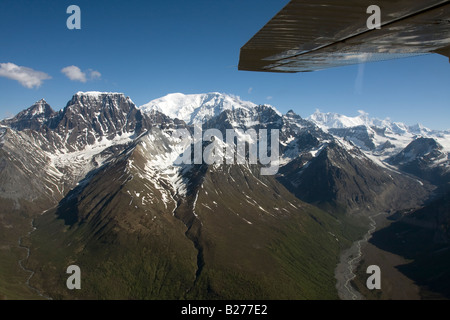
<point x="308" y="35"/>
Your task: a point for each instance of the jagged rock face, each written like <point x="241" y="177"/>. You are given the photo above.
<point x="299" y="137"/>
<point x="25" y="173"/>
<point x="50" y="152"/>
<point x="92" y="117"/>
<point x="99" y="116"/>
<point x="32" y="118"/>
<point x="426" y="149"/>
<point x="348" y="181"/>
<point x="318" y="167"/>
<point x="424" y="158"/>
<point x="88" y="118"/>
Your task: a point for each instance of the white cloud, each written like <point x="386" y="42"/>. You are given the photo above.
<point x="269" y="98"/>
<point x="250" y="90"/>
<point x="94" y="74"/>
<point x="75" y="74"/>
<point x="27" y="77"/>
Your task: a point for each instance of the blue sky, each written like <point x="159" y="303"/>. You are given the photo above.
<point x="147" y="49"/>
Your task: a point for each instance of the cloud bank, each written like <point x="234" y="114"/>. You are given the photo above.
<point x="76" y="74"/>
<point x="27" y="77"/>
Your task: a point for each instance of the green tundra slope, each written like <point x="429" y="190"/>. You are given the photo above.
<point x="232" y="235"/>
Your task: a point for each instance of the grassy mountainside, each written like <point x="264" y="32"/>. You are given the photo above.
<point x="15" y="224"/>
<point x="235" y="235"/>
<point x="259" y="241"/>
<point x="125" y="250"/>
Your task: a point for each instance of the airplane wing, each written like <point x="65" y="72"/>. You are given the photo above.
<point x="310" y="35"/>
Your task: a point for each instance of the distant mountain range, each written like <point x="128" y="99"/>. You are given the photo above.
<point x="99" y="182"/>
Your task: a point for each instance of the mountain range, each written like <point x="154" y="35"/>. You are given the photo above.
<point x="97" y="184"/>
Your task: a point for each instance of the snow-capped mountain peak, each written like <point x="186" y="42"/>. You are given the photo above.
<point x="196" y="108"/>
<point x="39" y="108"/>
<point x="334" y="120"/>
<point x="32" y="117"/>
<point x="379" y="139"/>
